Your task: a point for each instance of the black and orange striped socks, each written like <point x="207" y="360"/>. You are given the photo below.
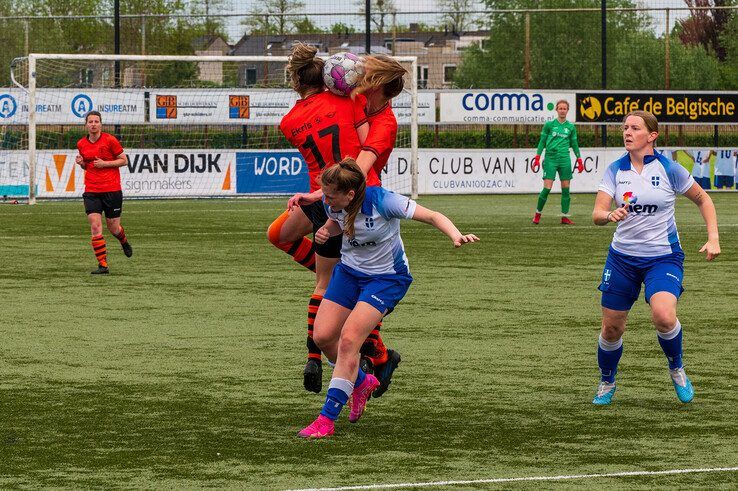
<point x="101" y="252"/>
<point x="121" y="236"/>
<point x="301" y="250"/>
<point x="313" y="305"/>
<point x="374" y="348"/>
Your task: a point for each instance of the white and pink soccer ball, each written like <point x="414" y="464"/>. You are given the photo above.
<point x="342" y="73"/>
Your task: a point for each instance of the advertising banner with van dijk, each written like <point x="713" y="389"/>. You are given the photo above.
<point x="668" y="107"/>
<point x="149" y="173"/>
<point x="198" y="173"/>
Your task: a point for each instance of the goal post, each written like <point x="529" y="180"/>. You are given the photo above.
<point x="192" y="126"/>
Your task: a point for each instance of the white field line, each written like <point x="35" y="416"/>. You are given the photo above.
<point x="524" y="479"/>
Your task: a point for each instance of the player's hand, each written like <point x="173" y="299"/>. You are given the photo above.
<point x="322" y="235"/>
<point x="294" y="201"/>
<point x="580" y="165"/>
<point x="619" y="214"/>
<point x="99" y="163"/>
<point x="465" y="239"/>
<point x="80" y="161"/>
<point x="536" y="163"/>
<point x="301" y="199"/>
<point x="712" y="248"/>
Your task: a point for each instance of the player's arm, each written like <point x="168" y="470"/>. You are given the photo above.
<point x="442" y="223"/>
<point x="304" y="199"/>
<point x="366" y="160"/>
<point x="574" y="142"/>
<point x="330" y="229"/>
<point x="707" y="208"/>
<point x="603" y="212"/>
<point x="120" y="160"/>
<point x="363" y="132"/>
<point x="544" y="138"/>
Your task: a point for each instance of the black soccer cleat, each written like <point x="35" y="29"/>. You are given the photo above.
<point x="100" y="270"/>
<point x="313" y="375"/>
<point x="127" y="249"/>
<point x="366" y="365"/>
<point x="384" y="372"/>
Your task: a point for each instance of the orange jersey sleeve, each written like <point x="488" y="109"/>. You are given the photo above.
<point x="382" y="136"/>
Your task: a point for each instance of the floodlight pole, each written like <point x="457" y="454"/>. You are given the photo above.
<point x="604" y="62"/>
<point x="368" y="27"/>
<point x="116" y="42"/>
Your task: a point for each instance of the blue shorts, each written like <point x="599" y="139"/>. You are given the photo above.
<point x="383" y="291"/>
<point x="723" y="182"/>
<point x="623" y="276"/>
<point x="704" y="182"/>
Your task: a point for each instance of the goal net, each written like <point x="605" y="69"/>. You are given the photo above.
<point x="192" y="126"/>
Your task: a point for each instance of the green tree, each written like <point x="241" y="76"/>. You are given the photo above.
<point x="381" y="11"/>
<point x="564" y="49"/>
<point x="456" y="14"/>
<point x="729" y="40"/>
<point x="306" y="26"/>
<point x="341" y="28"/>
<point x="261" y="23"/>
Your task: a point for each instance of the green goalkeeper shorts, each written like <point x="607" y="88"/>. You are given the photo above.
<point x="563" y="167"/>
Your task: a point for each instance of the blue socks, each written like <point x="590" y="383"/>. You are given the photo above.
<point x="338" y="395"/>
<point x="608" y="356"/>
<point x="359" y="378"/>
<point x="671" y="343"/>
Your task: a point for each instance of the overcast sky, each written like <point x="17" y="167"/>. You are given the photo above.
<point x="346" y="11"/>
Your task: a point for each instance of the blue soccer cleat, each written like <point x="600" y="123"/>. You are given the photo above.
<point x="604" y="395"/>
<point x="682" y="385"/>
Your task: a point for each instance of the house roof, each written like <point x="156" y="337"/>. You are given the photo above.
<point x="354" y="42"/>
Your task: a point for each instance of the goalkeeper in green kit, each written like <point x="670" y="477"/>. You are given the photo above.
<point x="557" y="137"/>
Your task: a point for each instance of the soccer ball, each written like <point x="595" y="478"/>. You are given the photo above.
<point x="342" y="73"/>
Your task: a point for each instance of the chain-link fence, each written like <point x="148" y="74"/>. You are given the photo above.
<point x="460" y="44"/>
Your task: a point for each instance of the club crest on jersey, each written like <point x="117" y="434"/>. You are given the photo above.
<point x="369" y="222"/>
<point x="630" y="200"/>
<point x="655" y="181"/>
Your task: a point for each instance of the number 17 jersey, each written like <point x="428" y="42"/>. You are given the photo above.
<point x="323" y="128"/>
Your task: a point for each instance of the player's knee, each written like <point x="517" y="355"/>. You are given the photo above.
<point x="322" y="337"/>
<point x="612" y="330"/>
<point x="348" y="345"/>
<point x="273" y="232"/>
<point x="664" y="318"/>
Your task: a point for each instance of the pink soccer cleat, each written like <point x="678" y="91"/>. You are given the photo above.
<point x="537" y="218"/>
<point x="320" y="428"/>
<point x="359" y="397"/>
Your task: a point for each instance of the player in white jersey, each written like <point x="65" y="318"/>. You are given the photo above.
<point x="725" y="167"/>
<point x="701" y="167"/>
<point x="645" y="248"/>
<point x="367" y="283"/>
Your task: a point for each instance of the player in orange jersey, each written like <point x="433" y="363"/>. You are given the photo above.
<point x="325" y="128"/>
<point x="383" y="81"/>
<point x="102" y="156"/>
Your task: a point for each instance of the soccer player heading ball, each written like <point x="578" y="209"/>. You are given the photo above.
<point x="101" y="156"/>
<point x="367" y="283"/>
<point x="645" y="248"/>
<point x="324" y="127"/>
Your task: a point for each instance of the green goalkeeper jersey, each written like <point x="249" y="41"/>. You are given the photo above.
<point x="556" y="138"/>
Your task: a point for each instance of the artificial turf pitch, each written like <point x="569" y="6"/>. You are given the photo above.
<point x="183" y="367"/>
